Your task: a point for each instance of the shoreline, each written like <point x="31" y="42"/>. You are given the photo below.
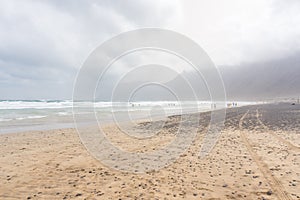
<point x="37" y="115"/>
<point x="255" y="157"/>
<point x="70" y="123"/>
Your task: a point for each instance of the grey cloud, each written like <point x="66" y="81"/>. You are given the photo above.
<point x="47" y="41"/>
<point x="43" y="43"/>
<point x="261" y="81"/>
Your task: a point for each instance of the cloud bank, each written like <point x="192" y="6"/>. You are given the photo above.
<point x="44" y="43"/>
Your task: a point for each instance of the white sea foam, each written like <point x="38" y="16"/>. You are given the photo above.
<point x="13" y="105"/>
<point x="5" y="120"/>
<point x="31" y="117"/>
<point x="37" y="116"/>
<point x="63" y="113"/>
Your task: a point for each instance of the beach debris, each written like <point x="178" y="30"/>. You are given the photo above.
<point x="259" y="183"/>
<point x="269" y="192"/>
<point x="225" y="185"/>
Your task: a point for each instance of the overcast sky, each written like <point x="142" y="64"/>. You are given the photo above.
<point x="44" y="43"/>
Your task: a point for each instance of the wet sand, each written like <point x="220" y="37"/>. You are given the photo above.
<point x="256" y="157"/>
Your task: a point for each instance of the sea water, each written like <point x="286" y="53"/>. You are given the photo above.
<point x="25" y="115"/>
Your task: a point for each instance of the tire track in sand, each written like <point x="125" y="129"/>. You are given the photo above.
<point x="284" y="141"/>
<point x="274" y="183"/>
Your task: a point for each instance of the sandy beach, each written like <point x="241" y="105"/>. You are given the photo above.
<point x="256" y="157"/>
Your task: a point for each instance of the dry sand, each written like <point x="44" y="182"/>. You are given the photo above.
<point x="256" y="157"/>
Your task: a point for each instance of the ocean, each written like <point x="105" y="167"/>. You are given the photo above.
<point x="28" y="115"/>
